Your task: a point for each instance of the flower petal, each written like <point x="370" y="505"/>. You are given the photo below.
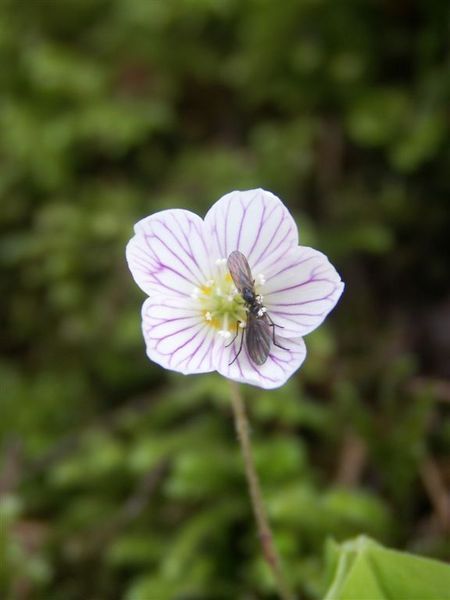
<point x="300" y="291"/>
<point x="168" y="254"/>
<point x="255" y="222"/>
<point x="176" y="336"/>
<point x="280" y="365"/>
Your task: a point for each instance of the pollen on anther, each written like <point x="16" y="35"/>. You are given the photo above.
<point x="208" y="316"/>
<point x="261" y="279"/>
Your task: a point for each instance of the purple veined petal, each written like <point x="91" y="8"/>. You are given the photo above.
<point x="176" y="336"/>
<point x="169" y="253"/>
<point x="300" y="291"/>
<point x="280" y="365"/>
<point x="255" y="222"/>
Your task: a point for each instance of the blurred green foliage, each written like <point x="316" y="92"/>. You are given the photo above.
<point x="118" y="480"/>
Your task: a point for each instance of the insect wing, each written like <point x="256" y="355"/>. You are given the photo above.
<point x="258" y="335"/>
<point x="240" y="271"/>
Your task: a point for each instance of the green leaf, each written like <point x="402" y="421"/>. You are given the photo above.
<point x="364" y="570"/>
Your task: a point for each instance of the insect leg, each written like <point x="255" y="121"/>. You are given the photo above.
<point x="273" y="337"/>
<point x="237" y="333"/>
<point x="272" y="323"/>
<point x="240" y="348"/>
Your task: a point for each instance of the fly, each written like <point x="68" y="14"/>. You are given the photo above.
<point x="259" y="329"/>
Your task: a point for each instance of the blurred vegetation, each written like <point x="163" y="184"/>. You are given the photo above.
<point x="119" y="480"/>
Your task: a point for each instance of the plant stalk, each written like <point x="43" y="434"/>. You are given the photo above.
<point x="259" y="509"/>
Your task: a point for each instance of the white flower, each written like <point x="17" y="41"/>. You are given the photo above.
<point x="194" y="308"/>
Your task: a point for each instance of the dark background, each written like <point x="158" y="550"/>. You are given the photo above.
<point x="121" y="480"/>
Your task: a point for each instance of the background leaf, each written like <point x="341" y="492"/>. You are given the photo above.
<point x="364" y="570"/>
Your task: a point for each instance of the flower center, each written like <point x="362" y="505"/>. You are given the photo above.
<point x="222" y="306"/>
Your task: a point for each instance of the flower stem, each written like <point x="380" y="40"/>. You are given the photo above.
<point x="259" y="510"/>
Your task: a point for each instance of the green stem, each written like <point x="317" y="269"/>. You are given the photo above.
<point x="259" y="510"/>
